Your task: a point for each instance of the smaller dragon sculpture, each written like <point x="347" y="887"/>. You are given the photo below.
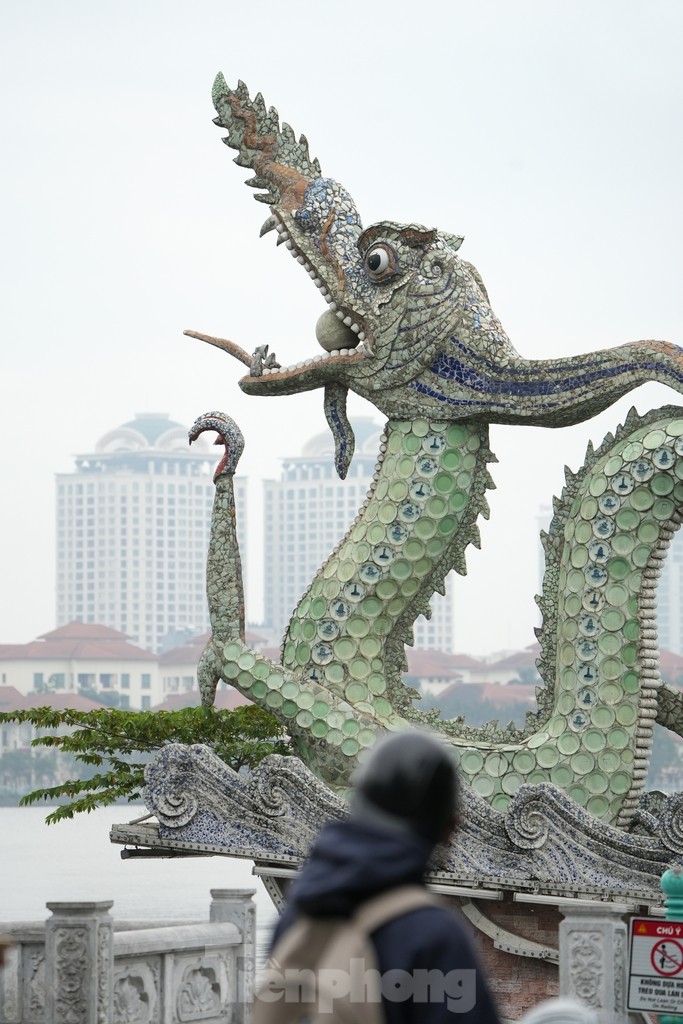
<point x="409" y="327"/>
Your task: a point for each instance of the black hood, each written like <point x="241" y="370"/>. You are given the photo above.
<point x="353" y="860"/>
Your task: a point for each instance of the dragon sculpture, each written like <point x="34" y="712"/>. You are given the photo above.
<point x="409" y="327"/>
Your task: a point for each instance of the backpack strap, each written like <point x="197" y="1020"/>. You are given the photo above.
<point x="304" y="941"/>
<point x="372" y="914"/>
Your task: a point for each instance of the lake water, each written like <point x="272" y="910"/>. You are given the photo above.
<point x="74" y="860"/>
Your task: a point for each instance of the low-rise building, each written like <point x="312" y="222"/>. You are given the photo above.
<point x="87" y="659"/>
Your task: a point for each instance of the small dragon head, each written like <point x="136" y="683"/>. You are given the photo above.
<point x="229" y="434"/>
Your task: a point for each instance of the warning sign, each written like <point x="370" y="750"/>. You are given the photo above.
<point x="656" y="972"/>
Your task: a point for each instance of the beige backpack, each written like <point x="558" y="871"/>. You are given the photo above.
<point x="325" y="969"/>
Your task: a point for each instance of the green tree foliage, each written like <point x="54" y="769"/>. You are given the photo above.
<point x="115" y="746"/>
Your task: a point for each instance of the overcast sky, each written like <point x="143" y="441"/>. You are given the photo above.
<point x="548" y="133"/>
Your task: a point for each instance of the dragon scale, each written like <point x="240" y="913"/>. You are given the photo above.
<point x="410" y="328"/>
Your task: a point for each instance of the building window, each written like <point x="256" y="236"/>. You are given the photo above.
<point x="146" y="703"/>
<point x="37" y="679"/>
<point x="125" y="681"/>
<point x="146" y="681"/>
<point x="124" y="702"/>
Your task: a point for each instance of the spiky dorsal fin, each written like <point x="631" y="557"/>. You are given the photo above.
<point x="282" y="163"/>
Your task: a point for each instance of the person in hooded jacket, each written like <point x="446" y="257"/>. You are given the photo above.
<point x="404" y="803"/>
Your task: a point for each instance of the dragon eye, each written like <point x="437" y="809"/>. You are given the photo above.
<point x="380" y="262"/>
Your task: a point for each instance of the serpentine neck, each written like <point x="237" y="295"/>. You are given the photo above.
<point x="414" y="526"/>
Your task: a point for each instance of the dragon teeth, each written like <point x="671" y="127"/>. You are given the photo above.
<point x="272" y="223"/>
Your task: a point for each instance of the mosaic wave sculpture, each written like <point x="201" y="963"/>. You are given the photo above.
<point x="409" y="327"/>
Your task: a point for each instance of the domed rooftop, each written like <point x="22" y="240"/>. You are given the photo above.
<point x="149" y="431"/>
<point x="367" y="434"/>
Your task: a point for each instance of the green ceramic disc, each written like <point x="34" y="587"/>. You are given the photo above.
<point x="617" y="738"/>
<point x="610" y="693"/>
<point x="582" y="762"/>
<point x="594" y="740"/>
<point x="626" y="714"/>
<point x="523" y="762"/>
<point x="655" y="439"/>
<point x="356" y="692"/>
<point x="568" y="743"/>
<point x="619" y="783"/>
<point x="612" y="619"/>
<point x="483" y="785"/>
<point x="627" y="519"/>
<point x="496" y="764"/>
<point x="471" y="762"/>
<point x="547" y="755"/>
<point x="578" y="793"/>
<point x="561" y="776"/>
<point x="608" y="761"/>
<point x="598" y="806"/>
<point x="602" y="717"/>
<point x="511" y="783"/>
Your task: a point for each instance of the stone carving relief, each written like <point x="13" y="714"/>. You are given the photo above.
<point x="619" y="971"/>
<point x="586" y="966"/>
<point x="135" y="994"/>
<point x="104" y="956"/>
<point x="72" y="965"/>
<point x="203" y="990"/>
<point x="35" y="985"/>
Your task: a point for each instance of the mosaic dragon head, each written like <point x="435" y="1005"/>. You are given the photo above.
<point x="408" y="324"/>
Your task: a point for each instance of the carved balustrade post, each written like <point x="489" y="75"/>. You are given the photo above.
<point x="79" y="962"/>
<point x="593" y="959"/>
<point x="237" y="907"/>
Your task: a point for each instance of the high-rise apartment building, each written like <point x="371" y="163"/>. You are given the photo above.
<point x="670" y="599"/>
<point x="307" y="511"/>
<point x="133" y="523"/>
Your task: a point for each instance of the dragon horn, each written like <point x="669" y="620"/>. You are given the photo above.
<point x="282" y="164"/>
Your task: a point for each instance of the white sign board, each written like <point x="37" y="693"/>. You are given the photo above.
<point x="655" y="980"/>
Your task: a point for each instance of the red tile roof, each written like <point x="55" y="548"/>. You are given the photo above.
<point x="436" y="664"/>
<point x="12" y="700"/>
<point x="76" y="630"/>
<point x="78" y="640"/>
<point x="520" y="659"/>
<point x="227" y="698"/>
<point x="190" y="652"/>
<point x="496" y="693"/>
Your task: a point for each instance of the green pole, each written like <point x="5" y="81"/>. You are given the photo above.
<point x="672" y="887"/>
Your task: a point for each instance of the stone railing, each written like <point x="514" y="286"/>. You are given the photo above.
<point x="83" y="967"/>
